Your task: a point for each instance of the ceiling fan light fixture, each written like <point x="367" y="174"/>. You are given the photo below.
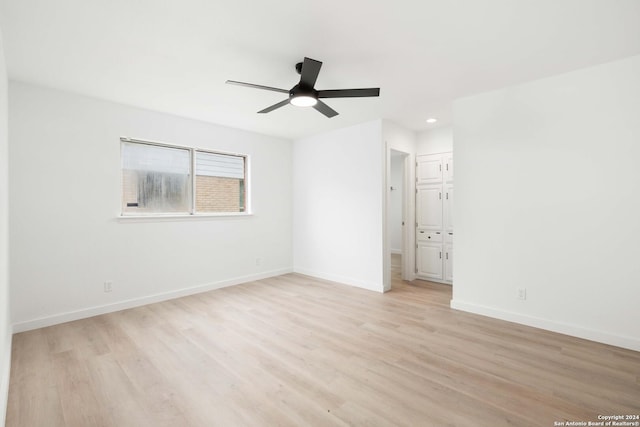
<point x="303" y="101"/>
<point x="304" y="93"/>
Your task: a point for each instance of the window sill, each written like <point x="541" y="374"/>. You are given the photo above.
<point x="182" y="217"/>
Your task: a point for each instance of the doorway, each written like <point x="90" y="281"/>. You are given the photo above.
<point x="398" y="258"/>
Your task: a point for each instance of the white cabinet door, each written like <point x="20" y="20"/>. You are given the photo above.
<point x="447" y="207"/>
<point x="429" y="169"/>
<point x="448" y="167"/>
<point x="448" y="263"/>
<point x="429" y="261"/>
<point x="429" y="207"/>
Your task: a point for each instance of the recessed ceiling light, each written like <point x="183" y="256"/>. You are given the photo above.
<point x="432" y="120"/>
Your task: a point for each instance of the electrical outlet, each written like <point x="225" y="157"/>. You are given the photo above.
<point x="522" y="294"/>
<point x="108" y="286"/>
<point x="258" y="262"/>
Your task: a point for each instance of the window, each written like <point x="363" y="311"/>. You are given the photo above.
<point x="159" y="179"/>
<point x="219" y="182"/>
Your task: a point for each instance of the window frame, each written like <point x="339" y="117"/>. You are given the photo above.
<point x="192" y="170"/>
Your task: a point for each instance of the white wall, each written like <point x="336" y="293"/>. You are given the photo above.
<point x="338" y="205"/>
<point x="547" y="185"/>
<point x="5" y="307"/>
<point x="396" y="175"/>
<point x="432" y="141"/>
<point x="65" y="196"/>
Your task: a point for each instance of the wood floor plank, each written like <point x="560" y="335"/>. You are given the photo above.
<point x="36" y="402"/>
<point x="298" y="351"/>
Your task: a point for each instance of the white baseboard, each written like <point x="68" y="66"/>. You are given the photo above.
<point x="55" y="319"/>
<point x="550" y="325"/>
<point x="376" y="287"/>
<point x="5" y="378"/>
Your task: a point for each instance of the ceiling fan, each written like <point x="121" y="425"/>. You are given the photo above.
<point x="305" y="95"/>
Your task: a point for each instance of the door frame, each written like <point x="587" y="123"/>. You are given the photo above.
<point x="408" y="215"/>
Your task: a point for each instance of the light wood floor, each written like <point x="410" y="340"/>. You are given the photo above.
<point x="296" y="351"/>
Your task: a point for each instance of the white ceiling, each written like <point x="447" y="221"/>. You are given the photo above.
<point x="175" y="55"/>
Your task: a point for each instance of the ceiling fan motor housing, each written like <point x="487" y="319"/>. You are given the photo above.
<point x="301" y="90"/>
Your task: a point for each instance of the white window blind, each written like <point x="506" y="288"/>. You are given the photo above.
<point x="146" y="157"/>
<point x="221" y="165"/>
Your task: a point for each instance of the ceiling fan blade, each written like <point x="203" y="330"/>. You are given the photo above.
<point x="348" y="93"/>
<point x="274" y="89"/>
<point x="325" y="109"/>
<point x="274" y="106"/>
<point x="310" y="71"/>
